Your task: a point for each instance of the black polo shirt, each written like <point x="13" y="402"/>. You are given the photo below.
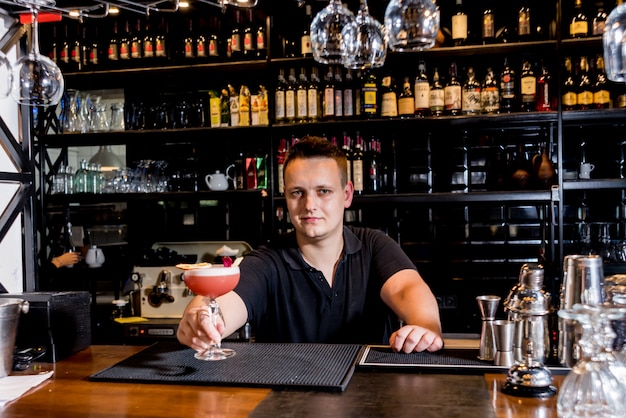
<point x="290" y="301"/>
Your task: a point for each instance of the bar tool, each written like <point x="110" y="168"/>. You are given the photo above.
<point x="488" y="304"/>
<point x="528" y="306"/>
<point x="530" y="379"/>
<point x="503" y="331"/>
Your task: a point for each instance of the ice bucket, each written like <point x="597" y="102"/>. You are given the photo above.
<point x="10" y="310"/>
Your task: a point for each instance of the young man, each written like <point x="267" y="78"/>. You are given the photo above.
<point x="326" y="282"/>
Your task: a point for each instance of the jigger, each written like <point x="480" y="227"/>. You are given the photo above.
<point x="488" y="304"/>
<point x="503" y="331"/>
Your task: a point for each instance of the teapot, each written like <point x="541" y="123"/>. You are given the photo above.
<point x="94" y="257"/>
<point x="218" y="181"/>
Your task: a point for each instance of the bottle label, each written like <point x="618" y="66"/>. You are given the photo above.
<point x="620" y="101"/>
<point x="523" y="23"/>
<point x="490" y="98"/>
<point x="569" y="98"/>
<point x="528" y="85"/>
<point x="290" y="104"/>
<point x="235" y="43"/>
<point x="248" y="45"/>
<point x="389" y="105"/>
<point x="188" y="49"/>
<point x="579" y="28"/>
<point x="437" y="100"/>
<point x="406" y="106"/>
<point x="459" y="26"/>
<point x="422" y="95"/>
<point x="598" y="27"/>
<point x="305" y="45"/>
<point x="348" y="103"/>
<point x="160" y="48"/>
<point x="488" y="26"/>
<point x="148" y="49"/>
<point x="75" y="54"/>
<point x="452" y="97"/>
<point x="301" y="100"/>
<point x="338" y="103"/>
<point x="472" y="100"/>
<point x="260" y="40"/>
<point x="584" y="98"/>
<point x="135" y="50"/>
<point x="201" y="49"/>
<point x="370" y="105"/>
<point x="329" y="102"/>
<point x="93" y="55"/>
<point x="357" y="175"/>
<point x="112" y="53"/>
<point x="602" y="97"/>
<point x="213" y="52"/>
<point x="313" y="111"/>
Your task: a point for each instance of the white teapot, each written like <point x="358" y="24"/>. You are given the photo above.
<point x="94" y="257"/>
<point x="218" y="181"/>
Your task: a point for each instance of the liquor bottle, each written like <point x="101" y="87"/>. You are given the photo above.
<point x="251" y="173"/>
<point x="113" y="52"/>
<point x="75" y="63"/>
<point x="524" y="23"/>
<point x="214" y="47"/>
<point x="81" y="178"/>
<point x="328" y="98"/>
<point x="136" y="47"/>
<point x="189" y="48"/>
<point x="68" y="240"/>
<point x="490" y="93"/>
<point x="348" y="96"/>
<point x="314" y="96"/>
<point x="619" y="90"/>
<point x="388" y="98"/>
<point x="584" y="96"/>
<point x="579" y="23"/>
<point x="459" y="25"/>
<point x="406" y="101"/>
<point x="125" y="44"/>
<point x="245" y="106"/>
<point x="85" y="47"/>
<point x="302" y="106"/>
<point x="357" y="94"/>
<point x="148" y="44"/>
<point x="488" y="24"/>
<point x="236" y="47"/>
<point x="436" y="97"/>
<point x="601" y="91"/>
<point x="338" y="94"/>
<point x="95" y="50"/>
<point x="346" y="147"/>
<point x="162" y="43"/>
<point x="471" y="94"/>
<point x="421" y="89"/>
<point x="53" y="51"/>
<point x="369" y="95"/>
<point x="358" y="177"/>
<point x="528" y="87"/>
<point x="452" y="93"/>
<point x="305" y="37"/>
<point x="521" y="169"/>
<point x="598" y="21"/>
<point x="290" y="97"/>
<point x="201" y="43"/>
<point x="261" y="172"/>
<point x="508" y="98"/>
<point x="545" y="91"/>
<point x="374" y="178"/>
<point x="64" y="50"/>
<point x="569" y="88"/>
<point x="261" y="40"/>
<point x="280" y="165"/>
<point x="249" y="35"/>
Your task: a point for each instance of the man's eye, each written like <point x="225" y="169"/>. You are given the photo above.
<point x="324" y="191"/>
<point x="296" y="193"/>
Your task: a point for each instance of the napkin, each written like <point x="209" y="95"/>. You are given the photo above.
<point x="12" y="387"/>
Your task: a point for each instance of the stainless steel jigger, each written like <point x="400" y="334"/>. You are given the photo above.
<point x="488" y="304"/>
<point x="503" y="331"/>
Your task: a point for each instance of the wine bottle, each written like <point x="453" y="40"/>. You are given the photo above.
<point x="406" y="101"/>
<point x="598" y="21"/>
<point x="471" y="94"/>
<point x="189" y="49"/>
<point x="290" y="97"/>
<point x="348" y="96"/>
<point x="338" y="94"/>
<point x="436" y="98"/>
<point x="135" y="42"/>
<point x="280" y="165"/>
<point x="545" y="93"/>
<point x="528" y="87"/>
<point x="328" y="98"/>
<point x="201" y="42"/>
<point x="85" y="47"/>
<point x="488" y="24"/>
<point x="249" y="35"/>
<point x="113" y="52"/>
<point x="302" y="106"/>
<point x="64" y="50"/>
<point x="261" y="40"/>
<point x="95" y="50"/>
<point x="508" y="97"/>
<point x="490" y="93"/>
<point x="369" y="95"/>
<point x="389" y="98"/>
<point x="162" y="43"/>
<point x="357" y="166"/>
<point x="421" y="91"/>
<point x="584" y="96"/>
<point x="346" y="147"/>
<point x="75" y="63"/>
<point x="305" y="37"/>
<point x="236" y="47"/>
<point x="314" y="96"/>
<point x="569" y="92"/>
<point x="452" y="93"/>
<point x="601" y="91"/>
<point x="524" y="23"/>
<point x="214" y="48"/>
<point x="125" y="44"/>
<point x="459" y="25"/>
<point x="579" y="23"/>
<point x="148" y="44"/>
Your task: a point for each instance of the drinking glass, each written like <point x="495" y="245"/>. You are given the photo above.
<point x="615" y="44"/>
<point x="213" y="281"/>
<point x="326" y="28"/>
<point x="6" y="75"/>
<point x="37" y="80"/>
<point x="364" y="41"/>
<point x="593" y="387"/>
<point x="412" y="25"/>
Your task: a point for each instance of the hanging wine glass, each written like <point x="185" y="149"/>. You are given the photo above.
<point x="614" y="42"/>
<point x="412" y="25"/>
<point x="5" y="74"/>
<point x="326" y="27"/>
<point x="364" y="41"/>
<point x="37" y="80"/>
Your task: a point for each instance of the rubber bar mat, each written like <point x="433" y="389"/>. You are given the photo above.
<point x="327" y="367"/>
<point x="446" y="360"/>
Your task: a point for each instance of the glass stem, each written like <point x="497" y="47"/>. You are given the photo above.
<point x="34" y="32"/>
<point x="214" y="313"/>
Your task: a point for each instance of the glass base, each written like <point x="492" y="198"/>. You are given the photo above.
<point x="215" y="354"/>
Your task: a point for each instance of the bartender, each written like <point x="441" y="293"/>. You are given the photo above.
<point x="324" y="282"/>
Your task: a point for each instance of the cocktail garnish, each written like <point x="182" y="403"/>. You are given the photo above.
<point x="227" y="261"/>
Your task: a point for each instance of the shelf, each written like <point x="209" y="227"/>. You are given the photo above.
<point x="511" y="48"/>
<point x="589" y="117"/>
<point x="94" y="199"/>
<point x="594" y="184"/>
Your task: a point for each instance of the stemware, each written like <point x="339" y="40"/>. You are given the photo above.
<point x="5" y="74"/>
<point x="594" y="388"/>
<point x="412" y="25"/>
<point x="614" y="44"/>
<point x="211" y="282"/>
<point x="326" y="32"/>
<point x="364" y="41"/>
<point x="37" y="80"/>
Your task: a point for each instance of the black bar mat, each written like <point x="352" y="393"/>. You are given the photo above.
<point x="446" y="360"/>
<point x="326" y="367"/>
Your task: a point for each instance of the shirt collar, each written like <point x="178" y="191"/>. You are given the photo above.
<point x="291" y="253"/>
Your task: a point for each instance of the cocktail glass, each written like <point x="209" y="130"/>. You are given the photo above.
<point x="211" y="282"/>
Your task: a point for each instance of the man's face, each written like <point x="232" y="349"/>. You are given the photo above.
<point x="315" y="197"/>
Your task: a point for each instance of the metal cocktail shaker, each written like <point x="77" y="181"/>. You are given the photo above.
<point x="529" y="307"/>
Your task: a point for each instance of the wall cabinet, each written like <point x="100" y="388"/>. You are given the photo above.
<point x="467" y="232"/>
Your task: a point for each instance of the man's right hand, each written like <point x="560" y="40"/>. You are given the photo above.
<point x="196" y="328"/>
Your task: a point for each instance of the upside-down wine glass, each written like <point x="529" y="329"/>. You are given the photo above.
<point x="212" y="281"/>
<point x="614" y="43"/>
<point x="364" y="41"/>
<point x="326" y="28"/>
<point x="412" y="25"/>
<point x="37" y="80"/>
<point x="6" y="75"/>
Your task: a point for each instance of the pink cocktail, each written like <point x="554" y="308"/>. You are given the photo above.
<point x="211" y="282"/>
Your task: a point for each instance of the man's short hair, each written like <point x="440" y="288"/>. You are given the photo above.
<point x="317" y="147"/>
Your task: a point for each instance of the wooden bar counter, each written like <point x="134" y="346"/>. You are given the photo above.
<point x="69" y="393"/>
